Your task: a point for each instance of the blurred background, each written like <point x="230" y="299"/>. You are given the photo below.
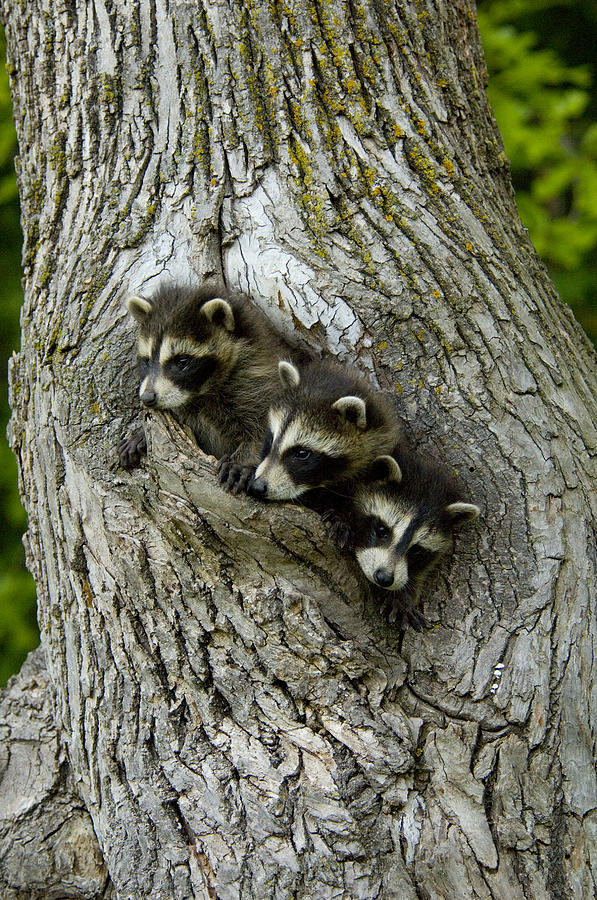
<point x="541" y="60"/>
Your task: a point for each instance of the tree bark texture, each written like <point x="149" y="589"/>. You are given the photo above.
<point x="48" y="850"/>
<point x="240" y="719"/>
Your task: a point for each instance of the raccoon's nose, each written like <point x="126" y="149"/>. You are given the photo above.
<point x="149" y="398"/>
<point x="383" y="578"/>
<point x="258" y="487"/>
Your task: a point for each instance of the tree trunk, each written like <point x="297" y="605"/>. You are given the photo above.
<point x="240" y="719"/>
<point x="48" y="850"/>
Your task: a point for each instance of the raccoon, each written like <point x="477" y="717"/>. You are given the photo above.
<point x="210" y="358"/>
<point x="325" y="428"/>
<point x="398" y="524"/>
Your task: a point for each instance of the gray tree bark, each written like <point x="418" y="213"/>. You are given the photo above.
<point x="239" y="718"/>
<point x="48" y="849"/>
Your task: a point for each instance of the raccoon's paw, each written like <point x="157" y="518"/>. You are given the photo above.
<point x="233" y="476"/>
<point x="131" y="450"/>
<point x="338" y="529"/>
<point x="403" y="613"/>
<point x="415" y="619"/>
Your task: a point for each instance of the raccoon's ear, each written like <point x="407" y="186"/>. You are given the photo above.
<point x="353" y="409"/>
<point x="461" y="513"/>
<point x="139" y="308"/>
<point x="219" y="312"/>
<point x="289" y="374"/>
<point x="385" y="468"/>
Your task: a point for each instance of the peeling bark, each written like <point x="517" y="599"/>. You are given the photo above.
<point x="240" y="720"/>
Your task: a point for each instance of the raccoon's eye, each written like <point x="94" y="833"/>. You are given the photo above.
<point x="381" y="530"/>
<point x="182" y="362"/>
<point x="420" y="555"/>
<point x="143" y="366"/>
<point x="301" y="453"/>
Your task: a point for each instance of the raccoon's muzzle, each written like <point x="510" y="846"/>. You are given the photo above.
<point x="258" y="487"/>
<point x="383" y="578"/>
<point x="149" y="398"/>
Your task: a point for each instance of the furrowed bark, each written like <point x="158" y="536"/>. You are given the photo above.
<point x="240" y="719"/>
<point x="47" y="845"/>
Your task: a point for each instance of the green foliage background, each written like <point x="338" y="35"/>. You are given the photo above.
<point x="541" y="60"/>
<point x="540" y="56"/>
<point x="18" y="626"/>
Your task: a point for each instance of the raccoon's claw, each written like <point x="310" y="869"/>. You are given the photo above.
<point x="415" y="619"/>
<point x="131" y="450"/>
<point x="234" y="477"/>
<point x="338" y="529"/>
<point x="222" y="466"/>
<point x="405" y="614"/>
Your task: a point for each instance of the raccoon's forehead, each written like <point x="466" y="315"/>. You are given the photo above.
<point x="276" y="421"/>
<point x="145" y="345"/>
<point x="407" y="522"/>
<point x="391" y="510"/>
<point x="172" y="346"/>
<point x="298" y="429"/>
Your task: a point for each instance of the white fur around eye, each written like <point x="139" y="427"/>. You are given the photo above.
<point x="300" y="433"/>
<point x="396" y="516"/>
<point x="279" y="485"/>
<point x="172" y="346"/>
<point x="435" y="541"/>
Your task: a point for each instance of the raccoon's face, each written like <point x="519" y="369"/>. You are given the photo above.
<point x="172" y="371"/>
<point x="302" y="452"/>
<point x="396" y="540"/>
<point x="175" y="368"/>
<point x="394" y="546"/>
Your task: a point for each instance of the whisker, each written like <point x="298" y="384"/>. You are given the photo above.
<point x="336" y="493"/>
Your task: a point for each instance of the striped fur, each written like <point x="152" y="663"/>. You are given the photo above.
<point x="398" y="523"/>
<point x="210" y="357"/>
<point x="324" y="430"/>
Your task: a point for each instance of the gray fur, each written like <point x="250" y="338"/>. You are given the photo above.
<point x="330" y="414"/>
<point x="398" y="522"/>
<point x="232" y="353"/>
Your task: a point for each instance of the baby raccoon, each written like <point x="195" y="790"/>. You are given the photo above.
<point x="209" y="357"/>
<point x="398" y="523"/>
<point x="325" y="428"/>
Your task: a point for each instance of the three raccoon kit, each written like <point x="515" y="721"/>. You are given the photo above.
<point x="326" y="436"/>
